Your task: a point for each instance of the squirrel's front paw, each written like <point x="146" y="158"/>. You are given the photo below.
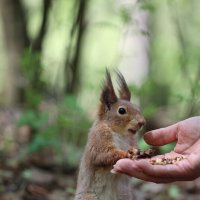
<point x="122" y="154"/>
<point x="138" y="153"/>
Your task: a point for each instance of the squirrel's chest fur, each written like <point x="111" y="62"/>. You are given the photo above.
<point x="100" y="182"/>
<point x="112" y="186"/>
<point x="120" y="141"/>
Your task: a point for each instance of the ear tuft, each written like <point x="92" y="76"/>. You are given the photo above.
<point x="124" y="91"/>
<point x="108" y="95"/>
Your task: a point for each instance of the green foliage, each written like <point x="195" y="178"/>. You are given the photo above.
<point x="125" y="15"/>
<point x="26" y="174"/>
<point x="152" y="95"/>
<point x="71" y="156"/>
<point x="34" y="119"/>
<point x="66" y="132"/>
<point x="148" y="5"/>
<point x="71" y="190"/>
<point x="142" y="144"/>
<point x="73" y="121"/>
<point x="44" y="135"/>
<point x="31" y="67"/>
<point x="31" y="70"/>
<point x="174" y="192"/>
<point x="42" y="141"/>
<point x="167" y="148"/>
<point x="32" y="98"/>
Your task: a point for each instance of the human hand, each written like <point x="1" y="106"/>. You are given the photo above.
<point x="187" y="135"/>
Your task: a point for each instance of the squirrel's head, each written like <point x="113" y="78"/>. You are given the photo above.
<point x="119" y="113"/>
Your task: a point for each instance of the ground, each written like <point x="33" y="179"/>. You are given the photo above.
<point x="39" y="177"/>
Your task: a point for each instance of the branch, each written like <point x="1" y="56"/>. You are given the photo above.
<point x="72" y="63"/>
<point x="37" y="43"/>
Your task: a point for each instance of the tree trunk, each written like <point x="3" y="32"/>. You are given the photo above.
<point x="135" y="43"/>
<point x="37" y="43"/>
<point x="72" y="62"/>
<point x="16" y="39"/>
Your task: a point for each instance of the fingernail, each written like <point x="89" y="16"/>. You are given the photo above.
<point x="147" y="133"/>
<point x="113" y="171"/>
<point x="116" y="167"/>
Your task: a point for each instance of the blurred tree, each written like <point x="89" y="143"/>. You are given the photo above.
<point x="74" y="48"/>
<point x="189" y="51"/>
<point x="17" y="40"/>
<point x="135" y="41"/>
<point x="16" y="37"/>
<point x="174" y="62"/>
<point x="37" y="42"/>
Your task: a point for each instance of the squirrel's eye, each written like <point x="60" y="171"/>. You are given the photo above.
<point x="122" y="111"/>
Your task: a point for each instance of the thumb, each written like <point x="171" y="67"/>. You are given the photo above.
<point x="162" y="136"/>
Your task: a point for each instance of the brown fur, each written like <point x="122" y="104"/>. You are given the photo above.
<point x="108" y="141"/>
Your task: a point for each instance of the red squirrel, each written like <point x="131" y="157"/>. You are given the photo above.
<point x="109" y="139"/>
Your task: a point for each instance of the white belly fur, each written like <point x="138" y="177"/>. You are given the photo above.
<point x="121" y="142"/>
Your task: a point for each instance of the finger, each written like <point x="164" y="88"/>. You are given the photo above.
<point x="171" y="172"/>
<point x="162" y="136"/>
<point x="143" y="166"/>
<point x="129" y="167"/>
<point x="158" y="171"/>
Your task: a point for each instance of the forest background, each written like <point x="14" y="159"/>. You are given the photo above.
<point x="53" y="59"/>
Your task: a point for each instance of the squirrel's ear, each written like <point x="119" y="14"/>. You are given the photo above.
<point x="124" y="92"/>
<point x="108" y="95"/>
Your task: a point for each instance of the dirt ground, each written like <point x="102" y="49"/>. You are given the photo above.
<point x="32" y="183"/>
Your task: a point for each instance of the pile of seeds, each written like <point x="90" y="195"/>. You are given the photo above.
<point x="135" y="154"/>
<point x="166" y="161"/>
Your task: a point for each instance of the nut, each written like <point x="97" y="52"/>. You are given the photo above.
<point x="165" y="161"/>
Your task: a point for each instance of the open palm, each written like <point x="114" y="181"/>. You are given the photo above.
<point x="187" y="135"/>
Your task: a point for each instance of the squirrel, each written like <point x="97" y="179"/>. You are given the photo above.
<point x="109" y="139"/>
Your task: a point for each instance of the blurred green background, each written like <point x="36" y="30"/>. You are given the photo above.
<point x="53" y="59"/>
